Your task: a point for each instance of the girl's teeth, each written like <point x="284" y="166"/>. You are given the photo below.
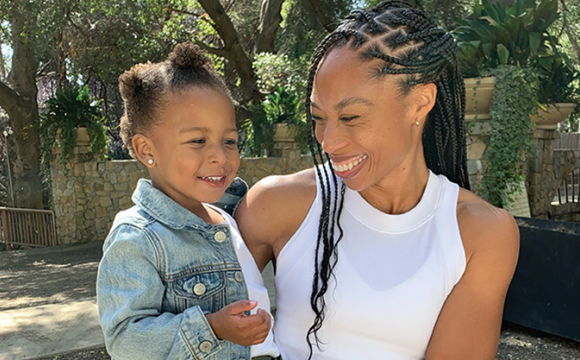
<point x="214" y="178"/>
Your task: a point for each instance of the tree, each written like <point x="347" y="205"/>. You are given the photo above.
<point x="18" y="99"/>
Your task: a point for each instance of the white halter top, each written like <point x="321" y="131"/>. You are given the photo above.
<point x="393" y="275"/>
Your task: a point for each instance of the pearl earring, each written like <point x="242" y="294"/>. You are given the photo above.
<point x="417" y="123"/>
<point x="150" y="161"/>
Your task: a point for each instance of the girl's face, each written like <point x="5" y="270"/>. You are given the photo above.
<point x="366" y="125"/>
<point x="195" y="147"/>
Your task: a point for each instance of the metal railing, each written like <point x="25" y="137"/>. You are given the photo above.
<point x="27" y="227"/>
<point x="569" y="189"/>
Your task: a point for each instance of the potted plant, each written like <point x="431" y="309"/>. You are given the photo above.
<point x="495" y="35"/>
<point x="557" y="95"/>
<point x="72" y="118"/>
<point x="277" y="118"/>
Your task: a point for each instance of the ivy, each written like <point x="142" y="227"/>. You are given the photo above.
<point x="514" y="100"/>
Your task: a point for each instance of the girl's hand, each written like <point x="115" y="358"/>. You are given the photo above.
<point x="231" y="324"/>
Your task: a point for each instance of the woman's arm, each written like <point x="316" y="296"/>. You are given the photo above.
<point x="272" y="211"/>
<point x="469" y="324"/>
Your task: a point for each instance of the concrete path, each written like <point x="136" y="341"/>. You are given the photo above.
<point x="49" y="329"/>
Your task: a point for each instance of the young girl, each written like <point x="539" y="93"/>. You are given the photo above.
<point x="176" y="276"/>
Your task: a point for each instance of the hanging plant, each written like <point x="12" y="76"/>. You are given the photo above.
<point x="67" y="111"/>
<point x="510" y="140"/>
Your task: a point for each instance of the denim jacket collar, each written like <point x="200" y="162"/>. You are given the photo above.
<point x="164" y="209"/>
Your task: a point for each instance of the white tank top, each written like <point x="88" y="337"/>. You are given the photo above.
<point x="394" y="273"/>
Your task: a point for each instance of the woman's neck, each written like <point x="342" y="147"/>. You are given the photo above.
<point x="400" y="190"/>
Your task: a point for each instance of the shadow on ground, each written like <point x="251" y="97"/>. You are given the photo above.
<point x="48" y="275"/>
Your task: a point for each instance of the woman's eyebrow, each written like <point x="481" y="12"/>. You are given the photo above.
<point x="353" y="100"/>
<point x="344" y="103"/>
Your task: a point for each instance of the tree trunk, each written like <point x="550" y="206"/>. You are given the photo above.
<point x="270" y="19"/>
<point x="233" y="50"/>
<point x="20" y="104"/>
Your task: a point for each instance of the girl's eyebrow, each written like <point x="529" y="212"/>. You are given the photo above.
<point x="194" y="128"/>
<point x="203" y="129"/>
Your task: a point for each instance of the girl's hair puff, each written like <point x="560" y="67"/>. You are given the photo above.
<point x="145" y="87"/>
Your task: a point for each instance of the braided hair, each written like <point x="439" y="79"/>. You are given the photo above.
<point x="408" y="43"/>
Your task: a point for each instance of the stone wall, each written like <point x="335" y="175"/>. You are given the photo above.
<point x="87" y="194"/>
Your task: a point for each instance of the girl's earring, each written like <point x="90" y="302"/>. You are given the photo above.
<point x="150" y="161"/>
<point x="417" y="123"/>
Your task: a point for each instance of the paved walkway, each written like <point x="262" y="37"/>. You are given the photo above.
<point x="47" y="300"/>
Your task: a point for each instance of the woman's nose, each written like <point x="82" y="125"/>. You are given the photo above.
<point x="333" y="138"/>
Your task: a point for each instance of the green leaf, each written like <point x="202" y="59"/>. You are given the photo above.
<point x="535" y="42"/>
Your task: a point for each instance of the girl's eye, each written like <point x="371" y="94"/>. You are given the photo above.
<point x="230" y="142"/>
<point x="197" y="141"/>
<point x="349" y="118"/>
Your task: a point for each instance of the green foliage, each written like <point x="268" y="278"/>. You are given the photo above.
<point x="68" y="110"/>
<point x="495" y="35"/>
<point x="280" y="107"/>
<point x="510" y="141"/>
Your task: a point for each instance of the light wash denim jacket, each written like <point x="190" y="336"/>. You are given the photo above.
<point x="162" y="269"/>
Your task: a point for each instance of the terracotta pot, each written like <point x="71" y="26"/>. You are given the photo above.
<point x="478" y="97"/>
<point x="553" y="115"/>
<point x="82" y="136"/>
<point x="284" y="133"/>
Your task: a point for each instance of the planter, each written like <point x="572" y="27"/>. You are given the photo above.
<point x="478" y="97"/>
<point x="553" y="115"/>
<point x="82" y="136"/>
<point x="285" y="133"/>
<point x="544" y="292"/>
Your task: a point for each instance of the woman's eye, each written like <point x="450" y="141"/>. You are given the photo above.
<point x="317" y="119"/>
<point x="349" y="118"/>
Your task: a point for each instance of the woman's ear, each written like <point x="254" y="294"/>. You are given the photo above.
<point x="425" y="98"/>
<point x="143" y="150"/>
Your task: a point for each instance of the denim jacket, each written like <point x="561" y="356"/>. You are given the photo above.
<point x="163" y="269"/>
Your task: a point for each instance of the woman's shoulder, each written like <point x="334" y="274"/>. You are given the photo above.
<point x="274" y="208"/>
<point x="485" y="228"/>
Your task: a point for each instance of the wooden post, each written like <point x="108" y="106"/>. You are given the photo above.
<point x="6" y="228"/>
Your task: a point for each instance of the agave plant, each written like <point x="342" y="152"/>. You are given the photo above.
<point x="497" y="35"/>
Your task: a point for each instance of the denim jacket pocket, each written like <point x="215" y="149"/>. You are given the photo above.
<point x="203" y="289"/>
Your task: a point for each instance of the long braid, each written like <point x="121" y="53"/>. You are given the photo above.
<point x="428" y="56"/>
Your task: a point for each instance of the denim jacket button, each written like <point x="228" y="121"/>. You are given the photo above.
<point x="199" y="289"/>
<point x="220" y="236"/>
<point x="205" y="346"/>
<point x="239" y="276"/>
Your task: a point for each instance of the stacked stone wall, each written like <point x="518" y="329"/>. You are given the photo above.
<point x="87" y="194"/>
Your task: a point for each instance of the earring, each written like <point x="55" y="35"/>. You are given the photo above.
<point x="417" y="123"/>
<point x="150" y="161"/>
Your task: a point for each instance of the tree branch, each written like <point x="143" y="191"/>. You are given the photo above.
<point x="212" y="50"/>
<point x="235" y="52"/>
<point x="270" y="19"/>
<point x="330" y="27"/>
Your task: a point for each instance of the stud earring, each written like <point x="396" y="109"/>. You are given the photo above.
<point x="150" y="161"/>
<point x="417" y="123"/>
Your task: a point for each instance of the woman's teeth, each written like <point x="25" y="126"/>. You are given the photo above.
<point x="350" y="165"/>
<point x="213" y="178"/>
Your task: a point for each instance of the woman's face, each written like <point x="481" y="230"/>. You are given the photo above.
<point x="365" y="124"/>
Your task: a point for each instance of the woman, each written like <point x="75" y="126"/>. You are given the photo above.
<point x="383" y="252"/>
